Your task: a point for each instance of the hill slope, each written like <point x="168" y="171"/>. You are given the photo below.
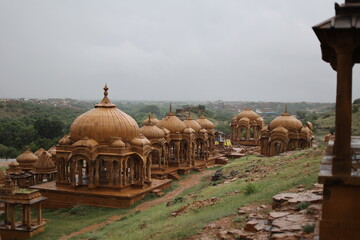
<point x="254" y="180"/>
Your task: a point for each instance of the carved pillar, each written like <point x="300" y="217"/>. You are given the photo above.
<point x="6" y="212"/>
<point x="12" y="207"/>
<point x="39" y="218"/>
<point x="23" y="214"/>
<point x="97" y="163"/>
<point x="342" y="147"/>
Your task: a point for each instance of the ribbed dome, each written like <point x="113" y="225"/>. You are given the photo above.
<point x="140" y="141"/>
<point x="166" y="132"/>
<point x="189" y="130"/>
<point x="244" y="120"/>
<point x="153" y="119"/>
<point x="86" y="142"/>
<point x="65" y="140"/>
<point x="248" y="113"/>
<point x="205" y="123"/>
<point x="13" y="164"/>
<point x="151" y="131"/>
<point x="280" y="130"/>
<point x="172" y="123"/>
<point x="39" y="152"/>
<point x="287" y="121"/>
<point x="44" y="164"/>
<point x="104" y="122"/>
<point x="118" y="143"/>
<point x="26" y="159"/>
<point x="14" y="167"/>
<point x="305" y="130"/>
<point x="189" y="122"/>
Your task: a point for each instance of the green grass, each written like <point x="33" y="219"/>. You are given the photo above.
<point x="279" y="174"/>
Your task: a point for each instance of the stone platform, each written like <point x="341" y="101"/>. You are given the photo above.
<point x="165" y="172"/>
<point x="64" y="196"/>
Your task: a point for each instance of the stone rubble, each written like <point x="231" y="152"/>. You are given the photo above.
<point x="291" y="214"/>
<point x="195" y="205"/>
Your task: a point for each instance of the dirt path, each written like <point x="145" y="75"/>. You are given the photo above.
<point x="186" y="183"/>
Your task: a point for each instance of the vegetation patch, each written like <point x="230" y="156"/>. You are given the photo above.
<point x="271" y="176"/>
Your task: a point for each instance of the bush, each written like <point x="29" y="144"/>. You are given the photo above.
<point x="309" y="228"/>
<point x="249" y="189"/>
<point x="302" y="205"/>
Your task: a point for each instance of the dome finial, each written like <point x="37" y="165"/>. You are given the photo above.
<point x="105" y="102"/>
<point x="286" y="113"/>
<point x="106" y="90"/>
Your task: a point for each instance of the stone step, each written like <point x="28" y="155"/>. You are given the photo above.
<point x="174" y="176"/>
<point x="158" y="192"/>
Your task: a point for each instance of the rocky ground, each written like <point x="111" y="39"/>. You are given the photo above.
<point x="291" y="216"/>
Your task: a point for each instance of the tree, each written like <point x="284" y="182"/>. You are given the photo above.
<point x="49" y="127"/>
<point x="356" y="101"/>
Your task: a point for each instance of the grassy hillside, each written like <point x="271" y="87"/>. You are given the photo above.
<point x="256" y="180"/>
<point x="326" y="122"/>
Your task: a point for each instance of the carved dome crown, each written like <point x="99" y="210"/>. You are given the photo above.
<point x="149" y="130"/>
<point x="44" y="164"/>
<point x="153" y="119"/>
<point x="287" y="121"/>
<point x="248" y="113"/>
<point x="190" y="122"/>
<point x="171" y="123"/>
<point x="104" y="122"/>
<point x="205" y="123"/>
<point x="39" y="152"/>
<point x="27" y="158"/>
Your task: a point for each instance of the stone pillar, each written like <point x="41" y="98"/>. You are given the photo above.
<point x="12" y="206"/>
<point x="29" y="217"/>
<point x="39" y="218"/>
<point x="342" y="148"/>
<point x="23" y="214"/>
<point x="6" y="212"/>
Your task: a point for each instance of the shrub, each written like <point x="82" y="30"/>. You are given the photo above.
<point x="250" y="188"/>
<point x="302" y="205"/>
<point x="309" y="228"/>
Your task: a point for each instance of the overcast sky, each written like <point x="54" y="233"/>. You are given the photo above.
<point x="166" y="50"/>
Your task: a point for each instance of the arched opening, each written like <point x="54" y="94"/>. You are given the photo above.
<point x="243" y="133"/>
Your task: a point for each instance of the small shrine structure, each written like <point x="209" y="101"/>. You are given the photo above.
<point x="285" y="133"/>
<point x="246" y="127"/>
<point x="27" y="199"/>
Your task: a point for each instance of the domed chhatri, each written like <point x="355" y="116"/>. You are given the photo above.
<point x="190" y="122"/>
<point x="44" y="169"/>
<point x="184" y="142"/>
<point x="13" y="168"/>
<point x="26" y="160"/>
<point x="285" y="133"/>
<point x="171" y="123"/>
<point x="153" y="119"/>
<point x="104" y="150"/>
<point x="151" y="131"/>
<point x="287" y="121"/>
<point x="205" y="123"/>
<point x="246" y="127"/>
<point x="104" y="122"/>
